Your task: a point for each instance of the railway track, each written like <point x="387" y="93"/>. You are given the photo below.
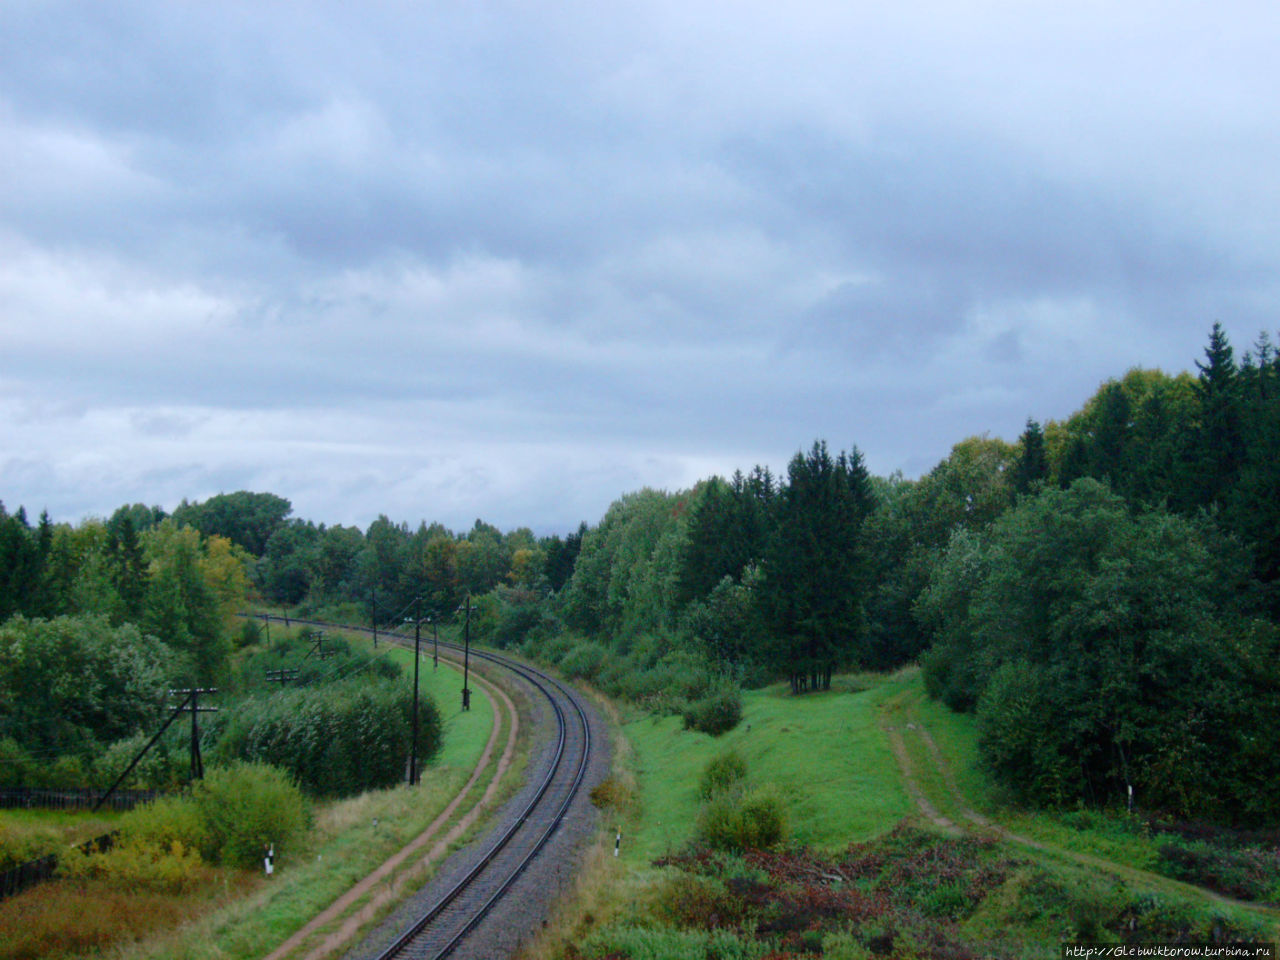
<point x="445" y="918"/>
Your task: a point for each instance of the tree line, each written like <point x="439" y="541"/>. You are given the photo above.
<point x="1117" y="570"/>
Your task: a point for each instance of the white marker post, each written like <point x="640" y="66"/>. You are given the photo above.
<point x="617" y="842"/>
<point x="268" y="863"/>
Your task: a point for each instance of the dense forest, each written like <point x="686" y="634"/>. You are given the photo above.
<point x="1102" y="593"/>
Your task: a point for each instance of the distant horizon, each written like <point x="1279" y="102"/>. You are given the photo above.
<point x="778" y="470"/>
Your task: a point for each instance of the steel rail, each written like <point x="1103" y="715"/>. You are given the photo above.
<point x="536" y="678"/>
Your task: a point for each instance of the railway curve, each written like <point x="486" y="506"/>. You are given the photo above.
<point x="493" y="894"/>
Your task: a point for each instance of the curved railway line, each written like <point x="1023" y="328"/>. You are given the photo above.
<point x="450" y="910"/>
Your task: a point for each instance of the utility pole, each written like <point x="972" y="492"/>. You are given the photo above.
<point x="466" y="659"/>
<point x="435" y="642"/>
<point x="317" y="647"/>
<point x="417" y="656"/>
<point x="176" y="712"/>
<point x="373" y="614"/>
<point x="192" y="696"/>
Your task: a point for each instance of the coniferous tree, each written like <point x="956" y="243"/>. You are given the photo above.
<point x="1110" y="435"/>
<point x="1218" y="453"/>
<point x="1253" y="506"/>
<point x="129" y="569"/>
<point x="1032" y="464"/>
<point x="814" y="574"/>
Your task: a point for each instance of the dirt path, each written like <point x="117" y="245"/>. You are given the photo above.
<point x="927" y="809"/>
<point x="393" y="883"/>
<point x="989" y="826"/>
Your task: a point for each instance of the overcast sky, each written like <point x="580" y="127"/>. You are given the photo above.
<point x="512" y="260"/>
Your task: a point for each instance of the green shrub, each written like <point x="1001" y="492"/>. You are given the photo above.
<point x="18" y="845"/>
<point x="171" y="819"/>
<point x="229" y="817"/>
<point x="244" y="808"/>
<point x="249" y="634"/>
<point x="159" y="769"/>
<point x="722" y="773"/>
<point x="686" y="900"/>
<point x="584" y="660"/>
<point x="752" y="820"/>
<point x="716" y="713"/>
<point x="139" y="866"/>
<point x="17" y="768"/>
<point x="1248" y="874"/>
<point x="68" y="771"/>
<point x="1020" y="739"/>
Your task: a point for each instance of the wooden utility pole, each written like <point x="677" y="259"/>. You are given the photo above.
<point x="317" y="647"/>
<point x="466" y="659"/>
<point x="177" y="711"/>
<point x="192" y="696"/>
<point x="417" y="656"/>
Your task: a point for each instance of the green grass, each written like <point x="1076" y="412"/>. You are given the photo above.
<point x="824" y="751"/>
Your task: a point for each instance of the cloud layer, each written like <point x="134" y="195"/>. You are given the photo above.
<point x="511" y="260"/>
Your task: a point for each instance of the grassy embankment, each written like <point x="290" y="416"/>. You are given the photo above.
<point x="244" y="916"/>
<point x="913" y="893"/>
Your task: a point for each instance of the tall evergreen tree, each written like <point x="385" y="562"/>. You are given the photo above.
<point x="729" y="525"/>
<point x="1219" y="446"/>
<point x="128" y="569"/>
<point x="1253" y="504"/>
<point x="1032" y="464"/>
<point x="814" y="584"/>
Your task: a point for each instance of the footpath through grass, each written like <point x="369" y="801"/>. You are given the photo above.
<point x="944" y="751"/>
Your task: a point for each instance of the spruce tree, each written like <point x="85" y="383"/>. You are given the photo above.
<point x="814" y="573"/>
<point x="1219" y="446"/>
<point x="1033" y="462"/>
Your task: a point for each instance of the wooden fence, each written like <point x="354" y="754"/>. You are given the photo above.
<point x="71" y="798"/>
<point x="24" y="875"/>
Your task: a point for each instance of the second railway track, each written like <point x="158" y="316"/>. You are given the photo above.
<point x="448" y="918"/>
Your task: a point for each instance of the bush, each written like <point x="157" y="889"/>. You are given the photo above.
<point x="611" y="794"/>
<point x="246" y="807"/>
<point x="752" y="820"/>
<point x="722" y="773"/>
<point x="231" y="816"/>
<point x="1248" y="874"/>
<point x="666" y="943"/>
<point x="172" y="819"/>
<point x="688" y="900"/>
<point x="17" y="767"/>
<point x="249" y="634"/>
<point x="1021" y="741"/>
<point x="136" y="865"/>
<point x="584" y="660"/>
<point x="157" y="770"/>
<point x="717" y="713"/>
